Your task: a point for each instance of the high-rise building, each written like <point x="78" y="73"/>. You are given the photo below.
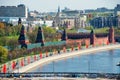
<point x="13" y="11"/>
<point x="117" y="10"/>
<point x="100" y="22"/>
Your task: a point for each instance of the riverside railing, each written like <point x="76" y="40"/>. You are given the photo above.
<point x="10" y="66"/>
<point x="23" y="61"/>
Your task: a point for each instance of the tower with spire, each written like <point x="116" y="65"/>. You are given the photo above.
<point x="57" y="20"/>
<point x="40" y="36"/>
<point x="19" y="21"/>
<point x="92" y="37"/>
<point x="111" y="33"/>
<point x="23" y="40"/>
<point x="64" y="35"/>
<point x="59" y="11"/>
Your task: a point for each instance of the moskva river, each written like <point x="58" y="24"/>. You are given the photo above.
<point x="98" y="62"/>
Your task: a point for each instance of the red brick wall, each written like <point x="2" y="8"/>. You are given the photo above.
<point x="101" y="41"/>
<point x="98" y="41"/>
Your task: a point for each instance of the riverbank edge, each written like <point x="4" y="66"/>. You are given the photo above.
<point x="66" y="55"/>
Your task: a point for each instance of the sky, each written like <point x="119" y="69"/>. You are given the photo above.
<point x="52" y="5"/>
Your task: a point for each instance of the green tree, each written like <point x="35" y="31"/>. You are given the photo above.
<point x="3" y="41"/>
<point x="12" y="43"/>
<point x="48" y="30"/>
<point x="3" y="54"/>
<point x="49" y="33"/>
<point x="102" y="30"/>
<point x="32" y="36"/>
<point x="89" y="27"/>
<point x="2" y="32"/>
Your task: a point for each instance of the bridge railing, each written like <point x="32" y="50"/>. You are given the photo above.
<point x="62" y="74"/>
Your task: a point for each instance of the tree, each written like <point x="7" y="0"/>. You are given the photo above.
<point x="12" y="43"/>
<point x="3" y="54"/>
<point x="2" y="32"/>
<point x="3" y="41"/>
<point x="2" y="25"/>
<point x="48" y="30"/>
<point x="32" y="36"/>
<point x="49" y="33"/>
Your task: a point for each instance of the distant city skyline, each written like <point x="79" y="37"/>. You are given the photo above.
<point x="52" y="5"/>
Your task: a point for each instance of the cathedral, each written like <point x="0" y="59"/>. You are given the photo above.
<point x="57" y="20"/>
<point x="67" y="20"/>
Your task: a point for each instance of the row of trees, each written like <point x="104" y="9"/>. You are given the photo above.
<point x="9" y="38"/>
<point x="11" y="33"/>
<point x="25" y="52"/>
<point x="50" y="34"/>
<point x="17" y="52"/>
<point x="8" y="34"/>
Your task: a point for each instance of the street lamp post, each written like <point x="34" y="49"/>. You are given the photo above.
<point x="17" y="64"/>
<point x="8" y="66"/>
<point x="53" y="68"/>
<point x="118" y="66"/>
<point x="88" y="66"/>
<point x="119" y="71"/>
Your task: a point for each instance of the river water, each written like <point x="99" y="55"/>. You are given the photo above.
<point x="98" y="62"/>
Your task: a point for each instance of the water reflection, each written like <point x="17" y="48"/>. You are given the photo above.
<point x="103" y="62"/>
